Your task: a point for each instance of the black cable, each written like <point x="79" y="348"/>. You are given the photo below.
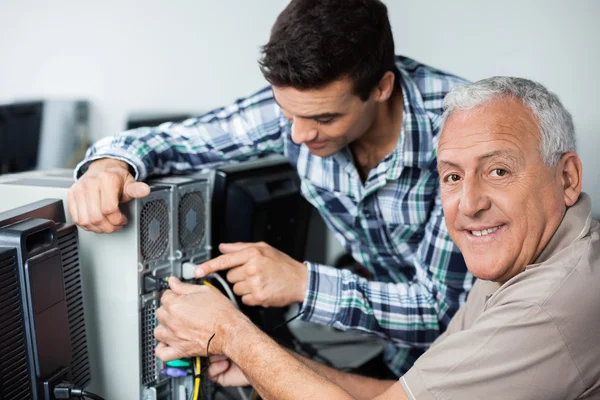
<point x="64" y="391"/>
<point x="285" y="322"/>
<point x="84" y="393"/>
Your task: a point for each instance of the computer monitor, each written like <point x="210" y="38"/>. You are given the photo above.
<point x="258" y="201"/>
<point x="20" y="127"/>
<point x="42" y="328"/>
<point x="42" y="134"/>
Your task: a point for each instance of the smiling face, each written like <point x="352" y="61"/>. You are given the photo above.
<point x="501" y="203"/>
<point x="327" y="119"/>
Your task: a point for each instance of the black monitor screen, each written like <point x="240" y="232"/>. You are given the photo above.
<point x="20" y="127"/>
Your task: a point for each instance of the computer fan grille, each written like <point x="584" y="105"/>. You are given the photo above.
<point x="14" y="374"/>
<point x="67" y="241"/>
<point x="154" y="229"/>
<point x="192" y="219"/>
<point x="148" y="343"/>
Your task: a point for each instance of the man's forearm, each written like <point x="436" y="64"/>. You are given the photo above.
<point x="360" y="387"/>
<point x="274" y="372"/>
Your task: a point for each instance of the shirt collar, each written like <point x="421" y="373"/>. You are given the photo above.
<point x="574" y="225"/>
<point x="416" y="145"/>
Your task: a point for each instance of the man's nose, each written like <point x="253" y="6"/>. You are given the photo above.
<point x="473" y="198"/>
<point x="303" y="131"/>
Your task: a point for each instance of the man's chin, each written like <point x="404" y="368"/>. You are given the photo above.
<point x="323" y="152"/>
<point x="487" y="270"/>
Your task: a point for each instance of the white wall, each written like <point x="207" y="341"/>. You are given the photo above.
<point x="193" y="55"/>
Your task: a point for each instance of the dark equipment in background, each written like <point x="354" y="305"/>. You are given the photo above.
<point x="42" y="327"/>
<point x="143" y="120"/>
<point x="261" y="201"/>
<point x="42" y="134"/>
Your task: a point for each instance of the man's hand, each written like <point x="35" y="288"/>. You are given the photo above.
<point x="93" y="200"/>
<point x="189" y="316"/>
<point x="225" y="372"/>
<point x="262" y="275"/>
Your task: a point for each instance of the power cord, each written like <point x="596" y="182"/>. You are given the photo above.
<point x="65" y="391"/>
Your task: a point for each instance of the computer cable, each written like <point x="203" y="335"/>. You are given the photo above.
<point x="223" y="283"/>
<point x="66" y="391"/>
<point x="197" y="373"/>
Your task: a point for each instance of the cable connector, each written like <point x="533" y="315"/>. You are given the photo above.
<point x="187" y="270"/>
<point x="62" y="391"/>
<point x="66" y="391"/>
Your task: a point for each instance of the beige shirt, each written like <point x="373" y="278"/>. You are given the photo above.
<point x="535" y="337"/>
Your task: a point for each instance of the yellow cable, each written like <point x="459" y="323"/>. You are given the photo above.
<point x="197" y="371"/>
<point x="207" y="283"/>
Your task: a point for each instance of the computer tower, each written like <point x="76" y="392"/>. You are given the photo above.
<point x="122" y="274"/>
<point x="42" y="134"/>
<point x="42" y="327"/>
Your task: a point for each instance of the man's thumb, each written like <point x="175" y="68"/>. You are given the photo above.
<point x="135" y="190"/>
<point x="182" y="288"/>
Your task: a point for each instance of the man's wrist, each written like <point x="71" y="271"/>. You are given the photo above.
<point x="301" y="293"/>
<point x="104" y="163"/>
<point x="235" y="333"/>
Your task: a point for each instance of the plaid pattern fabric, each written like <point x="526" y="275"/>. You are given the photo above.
<point x="392" y="224"/>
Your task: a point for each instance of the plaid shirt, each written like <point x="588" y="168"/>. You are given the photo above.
<point x="392" y="224"/>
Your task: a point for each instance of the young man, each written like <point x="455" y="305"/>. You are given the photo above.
<point x="511" y="192"/>
<point x="361" y="127"/>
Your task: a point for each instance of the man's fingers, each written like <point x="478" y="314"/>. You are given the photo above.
<point x="250" y="300"/>
<point x="166" y="353"/>
<point x="162" y="333"/>
<point x="167" y="296"/>
<point x="236" y="275"/>
<point x="242" y="288"/>
<point x="134" y="190"/>
<point x="179" y="287"/>
<point x="238" y="246"/>
<point x="217" y="368"/>
<point x="72" y="206"/>
<point x="94" y="210"/>
<point x="109" y="203"/>
<point x="82" y="211"/>
<point x="117" y="219"/>
<point x="225" y="261"/>
<point x="217" y="357"/>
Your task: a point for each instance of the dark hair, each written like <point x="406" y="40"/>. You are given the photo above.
<point x="315" y="42"/>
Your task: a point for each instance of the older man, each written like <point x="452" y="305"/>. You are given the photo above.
<point x="511" y="194"/>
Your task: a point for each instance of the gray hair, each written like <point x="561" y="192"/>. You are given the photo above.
<point x="557" y="132"/>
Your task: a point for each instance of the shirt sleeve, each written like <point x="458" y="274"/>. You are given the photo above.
<point x="411" y="313"/>
<point x="247" y="128"/>
<point x="513" y="351"/>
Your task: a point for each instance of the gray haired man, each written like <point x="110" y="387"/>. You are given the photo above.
<point x="511" y="192"/>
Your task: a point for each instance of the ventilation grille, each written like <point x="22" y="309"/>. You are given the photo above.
<point x="148" y="343"/>
<point x="191" y="219"/>
<point x="14" y="375"/>
<point x="67" y="242"/>
<point x="154" y="228"/>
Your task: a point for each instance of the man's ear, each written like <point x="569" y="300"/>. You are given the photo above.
<point x="385" y="87"/>
<point x="571" y="173"/>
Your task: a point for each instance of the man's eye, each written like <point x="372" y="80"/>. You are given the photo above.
<point x="452" y="178"/>
<point x="325" y="121"/>
<point x="499" y="172"/>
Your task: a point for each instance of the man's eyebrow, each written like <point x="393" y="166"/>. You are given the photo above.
<point x="501" y="153"/>
<point x="325" y="115"/>
<point x="446" y="164"/>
